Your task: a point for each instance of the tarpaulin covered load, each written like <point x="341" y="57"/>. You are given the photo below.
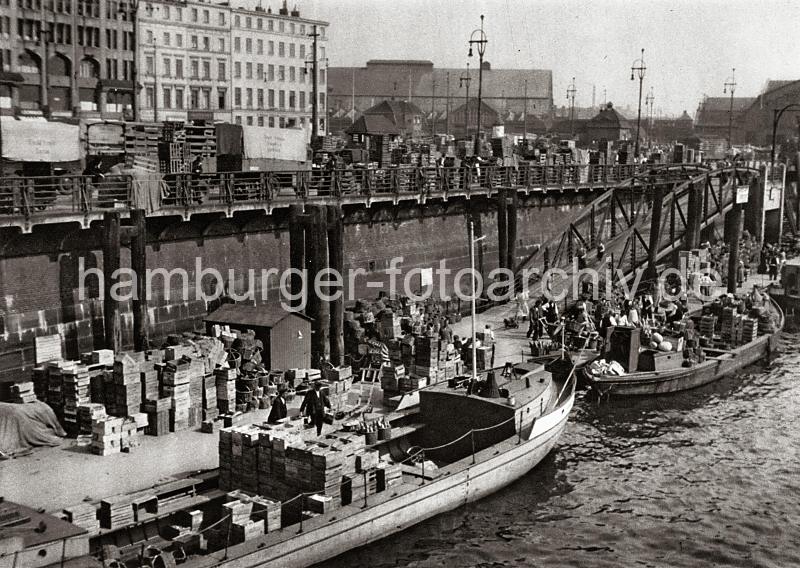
<point x="25" y="425"/>
<point x="39" y="140"/>
<point x="275" y="143"/>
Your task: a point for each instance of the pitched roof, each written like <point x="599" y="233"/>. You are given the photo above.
<point x="263" y="315"/>
<point x="394" y="109"/>
<point x="712" y="104"/>
<point x="373" y="124"/>
<point x="608" y="117"/>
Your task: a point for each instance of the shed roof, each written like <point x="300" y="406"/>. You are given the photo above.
<point x="263" y="315"/>
<point x="373" y="124"/>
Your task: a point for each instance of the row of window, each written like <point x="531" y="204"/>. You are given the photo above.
<point x="251" y="22"/>
<point x="295" y="99"/>
<point x="173" y="97"/>
<point x="296" y="74"/>
<point x="271" y="121"/>
<point x="197" y="69"/>
<point x="166" y="12"/>
<point x="88" y="36"/>
<point x="195" y="42"/>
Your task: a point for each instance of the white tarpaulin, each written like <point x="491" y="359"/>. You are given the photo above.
<point x="274" y="143"/>
<point x="37" y="140"/>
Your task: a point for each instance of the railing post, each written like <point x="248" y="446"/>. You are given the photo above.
<point x="302" y="497"/>
<point x="423" y="466"/>
<point x="519" y="440"/>
<point x="472" y="439"/>
<point x="365" y="490"/>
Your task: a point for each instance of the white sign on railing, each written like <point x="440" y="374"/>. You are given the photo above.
<point x="742" y="193"/>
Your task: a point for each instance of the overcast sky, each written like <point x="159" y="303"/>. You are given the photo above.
<point x="690" y="46"/>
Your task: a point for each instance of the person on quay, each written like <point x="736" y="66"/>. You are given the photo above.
<point x="278" y="411"/>
<point x="314" y="405"/>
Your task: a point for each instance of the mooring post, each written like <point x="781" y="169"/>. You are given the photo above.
<point x="336" y="261"/>
<point x="139" y="267"/>
<point x="111" y="254"/>
<point x="733" y="243"/>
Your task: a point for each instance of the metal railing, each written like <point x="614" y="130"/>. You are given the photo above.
<point x="35" y="198"/>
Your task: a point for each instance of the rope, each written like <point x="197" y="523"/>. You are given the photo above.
<point x="209" y="527"/>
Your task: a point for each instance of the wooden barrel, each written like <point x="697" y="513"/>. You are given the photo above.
<point x="385" y="433"/>
<point x="370" y="438"/>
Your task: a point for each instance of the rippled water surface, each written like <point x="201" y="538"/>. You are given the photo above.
<point x="709" y="477"/>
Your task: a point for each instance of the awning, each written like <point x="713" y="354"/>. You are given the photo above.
<point x="38" y="140"/>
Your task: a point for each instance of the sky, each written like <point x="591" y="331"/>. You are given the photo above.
<point x="690" y="47"/>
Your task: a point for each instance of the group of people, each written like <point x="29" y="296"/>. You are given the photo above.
<point x="773" y="259"/>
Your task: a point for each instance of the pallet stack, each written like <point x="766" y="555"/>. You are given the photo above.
<point x="201" y="139"/>
<point x="142" y="139"/>
<point x="175" y="379"/>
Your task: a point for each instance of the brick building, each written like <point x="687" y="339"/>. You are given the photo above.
<point x="754" y="123"/>
<point x="714" y="113"/>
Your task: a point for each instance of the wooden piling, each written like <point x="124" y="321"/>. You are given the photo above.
<point x="733" y="243"/>
<point x="502" y="228"/>
<point x="693" y="218"/>
<point x="336" y="262"/>
<point x="139" y="267"/>
<point x="513" y="205"/>
<point x="111" y="255"/>
<point x="297" y="253"/>
<point x="318" y="309"/>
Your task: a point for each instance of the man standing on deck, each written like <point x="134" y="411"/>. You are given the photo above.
<point x="314" y="405"/>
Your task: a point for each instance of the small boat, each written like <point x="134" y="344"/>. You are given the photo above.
<point x="786" y="293"/>
<point x="717" y="363"/>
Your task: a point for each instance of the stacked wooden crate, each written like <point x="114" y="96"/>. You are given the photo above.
<point x="268" y="510"/>
<point x="727" y="324"/>
<point x="201" y="139"/>
<point x="158" y="416"/>
<point x="23" y="392"/>
<point x="226" y="389"/>
<point x="175" y="379"/>
<point x="76" y="391"/>
<point x="749" y="330"/>
<point x="210" y="407"/>
<point x="83" y="515"/>
<point x="426" y="363"/>
<point x="107" y="435"/>
<point x="116" y="512"/>
<point x="126" y="385"/>
<point x="88" y="414"/>
<point x="142" y="139"/>
<point x="55" y="382"/>
<point x="708" y="324"/>
<point x="41" y="382"/>
<point x="391" y="377"/>
<point x="149" y="382"/>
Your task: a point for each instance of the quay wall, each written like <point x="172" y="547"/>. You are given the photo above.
<point x="40" y="271"/>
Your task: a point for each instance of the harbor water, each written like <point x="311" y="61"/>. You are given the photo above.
<point x="708" y="477"/>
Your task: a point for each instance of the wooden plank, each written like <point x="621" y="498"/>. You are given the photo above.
<point x="48" y="348"/>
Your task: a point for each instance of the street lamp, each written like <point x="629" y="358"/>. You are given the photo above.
<point x="480" y="43"/>
<point x="638" y="68"/>
<point x="571" y="90"/>
<point x="776" y="117"/>
<point x="463" y="81"/>
<point x="730" y="85"/>
<point x="648" y="101"/>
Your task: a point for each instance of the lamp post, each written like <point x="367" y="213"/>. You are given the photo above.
<point x="479" y="40"/>
<point x="314" y="64"/>
<point x="776" y="117"/>
<point x="464" y="81"/>
<point x="637" y="70"/>
<point x="730" y="85"/>
<point x="648" y="101"/>
<point x="571" y="90"/>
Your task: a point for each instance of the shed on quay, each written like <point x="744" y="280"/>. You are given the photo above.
<point x="286" y="335"/>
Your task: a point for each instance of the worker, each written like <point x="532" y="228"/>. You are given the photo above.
<point x="488" y="335"/>
<point x="314" y="405"/>
<point x="278" y="411"/>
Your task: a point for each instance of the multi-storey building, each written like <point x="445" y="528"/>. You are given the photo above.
<point x="184" y="61"/>
<point x="272" y="57"/>
<point x="67" y="56"/>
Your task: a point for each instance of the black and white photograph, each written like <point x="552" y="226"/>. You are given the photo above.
<point x="399" y="284"/>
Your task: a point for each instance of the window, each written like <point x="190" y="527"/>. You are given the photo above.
<point x="322" y="99"/>
<point x="179" y="40"/>
<point x="291" y="74"/>
<point x="302" y="28"/>
<point x="281" y="49"/>
<point x="167" y="94"/>
<point x="221" y="70"/>
<point x="221" y="94"/>
<point x="205" y="101"/>
<point x="291" y="50"/>
<point x="291" y="99"/>
<point x="166" y="12"/>
<point x="271" y="48"/>
<point x="237" y="97"/>
<point x="221" y="18"/>
<point x="248" y="70"/>
<point x="222" y="44"/>
<point x="271" y="95"/>
<point x="237" y="70"/>
<point x="194" y="41"/>
<point x="194" y="65"/>
<point x="237" y="44"/>
<point x="194" y="98"/>
<point x="260" y="71"/>
<point x="271" y="25"/>
<point x="292" y="28"/>
<point x="179" y="17"/>
<point x="178" y="98"/>
<point x="302" y="73"/>
<point x="271" y="121"/>
<point x="322" y="53"/>
<point x="206" y="43"/>
<point x="281" y="73"/>
<point x="167" y="38"/>
<point x="206" y="70"/>
<point x="249" y="121"/>
<point x="248" y="45"/>
<point x="260" y="24"/>
<point x="281" y="120"/>
<point x="249" y="99"/>
<point x="179" y="68"/>
<point x="260" y="47"/>
<point x="206" y="17"/>
<point x="260" y="118"/>
<point x="271" y="72"/>
<point x="237" y="21"/>
<point x="149" y="65"/>
<point x="149" y="36"/>
<point x="248" y="22"/>
<point x="302" y="100"/>
<point x="150" y="97"/>
<point x="238" y="120"/>
<point x="281" y="99"/>
<point x="166" y="67"/>
<point x="260" y="98"/>
<point x="282" y="26"/>
<point x="194" y="19"/>
<point x="322" y="75"/>
<point x="302" y="50"/>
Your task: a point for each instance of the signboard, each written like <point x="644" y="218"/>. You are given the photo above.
<point x="38" y="140"/>
<point x="742" y="193"/>
<point x="105" y="137"/>
<point x="48" y="348"/>
<point x="275" y="143"/>
<point x="426" y="277"/>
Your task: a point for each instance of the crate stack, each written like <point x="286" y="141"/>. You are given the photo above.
<point x="749" y="330"/>
<point x="41" y="382"/>
<point x="76" y="392"/>
<point x="23" y="392"/>
<point x="88" y="414"/>
<point x="196" y="390"/>
<point x="83" y="515"/>
<point x="727" y="324"/>
<point x="238" y="458"/>
<point x="116" y="512"/>
<point x="175" y="379"/>
<point x="158" y="416"/>
<point x="55" y="382"/>
<point x="390" y="325"/>
<point x="142" y="139"/>
<point x="149" y="382"/>
<point x="708" y="325"/>
<point x="210" y="407"/>
<point x="124" y="398"/>
<point x="426" y="362"/>
<point x="201" y="139"/>
<point x="107" y="436"/>
<point x="391" y="377"/>
<point x="226" y="389"/>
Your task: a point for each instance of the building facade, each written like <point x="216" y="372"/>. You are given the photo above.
<point x="272" y="58"/>
<point x="67" y="57"/>
<point x="439" y="90"/>
<point x="190" y="60"/>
